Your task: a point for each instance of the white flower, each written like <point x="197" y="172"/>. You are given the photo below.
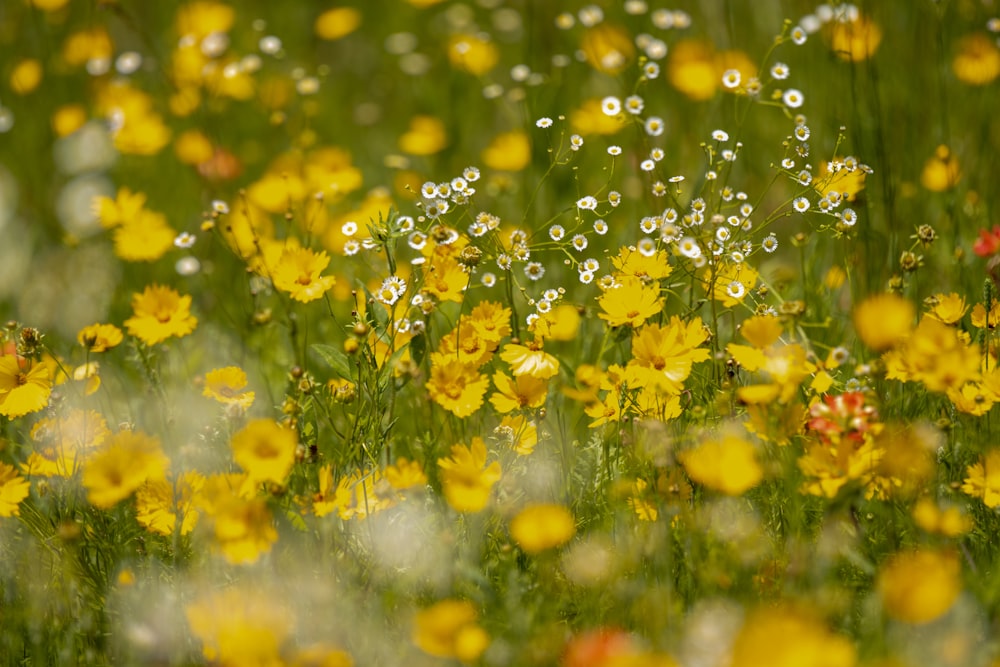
<point x="731" y="78"/>
<point x="587" y="203"/>
<point x="611" y="105"/>
<point x="793" y="98"/>
<point x="544" y="122"/>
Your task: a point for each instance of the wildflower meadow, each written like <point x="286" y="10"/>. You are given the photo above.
<point x="500" y="333"/>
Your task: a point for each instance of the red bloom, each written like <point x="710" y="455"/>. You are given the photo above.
<point x="597" y="648"/>
<point x="988" y="242"/>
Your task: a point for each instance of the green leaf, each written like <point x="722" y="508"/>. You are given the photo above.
<point x="335" y="359"/>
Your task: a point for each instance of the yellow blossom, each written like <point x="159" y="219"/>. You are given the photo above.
<point x="458" y="388"/>
<point x="466" y="480"/>
<point x="475" y="54"/>
<point x="845" y="182"/>
<point x="63" y="443"/>
<point x="123" y="208"/>
<point x="977" y="61"/>
<point x="726" y="463"/>
<point x="240" y="626"/>
<point x="337" y="23"/>
<point x="530" y="359"/>
<point x="146" y="237"/>
<point x="608" y="48"/>
<point x="159" y="313"/>
<point x="265" y="450"/>
<point x="243" y="529"/>
<point x="543" y="526"/>
<point x="509" y="151"/>
<point x="405" y="474"/>
<point x="948" y="308"/>
<point x="26" y="76"/>
<point x="226" y="385"/>
<point x="949" y="520"/>
<point x="122" y="466"/>
<point x="297" y="272"/>
<point x="630" y="303"/>
<point x="524" y="391"/>
<point x="517" y="432"/>
<point x="983" y="479"/>
<point x="158" y="502"/>
<point x="448" y="629"/>
<point x="426" y="135"/>
<point x="99" y="337"/>
<point x="789" y="636"/>
<point x="667" y="353"/>
<point x="589" y="119"/>
<point x="630" y="262"/>
<point x="919" y="586"/>
<point x="883" y="320"/>
<point x="13" y="489"/>
<point x="856" y="40"/>
<point x="941" y="171"/>
<point x="982" y="320"/>
<point x="24" y="386"/>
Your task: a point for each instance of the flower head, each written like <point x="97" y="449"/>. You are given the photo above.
<point x="23" y="388"/>
<point x="265" y="450"/>
<point x="298" y="273"/>
<point x="159" y="313"/>
<point x="466" y="479"/>
<point x="128" y="460"/>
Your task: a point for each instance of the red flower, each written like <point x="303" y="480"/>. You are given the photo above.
<point x="988" y="242"/>
<point x="597" y="648"/>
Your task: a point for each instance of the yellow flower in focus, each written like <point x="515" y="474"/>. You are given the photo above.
<point x="226" y="386"/>
<point x="856" y="40"/>
<point x="466" y="480"/>
<point x="13" y="489"/>
<point x="590" y="119"/>
<point x="630" y="262"/>
<point x="630" y="303"/>
<point x="426" y="136"/>
<point x="100" y="337"/>
<point x="491" y="320"/>
<point x="240" y="627"/>
<point x="524" y="391"/>
<point x="159" y="501"/>
<point x="788" y="636"/>
<point x="159" y="313"/>
<point x="530" y="359"/>
<point x="666" y="353"/>
<point x="265" y="450"/>
<point x="983" y="479"/>
<point x="608" y="48"/>
<point x="144" y="238"/>
<point x="732" y="282"/>
<point x="982" y="320"/>
<point x="540" y="527"/>
<point x="726" y="463"/>
<point x="297" y="272"/>
<point x="977" y="62"/>
<point x="337" y="23"/>
<point x="121" y="467"/>
<point x="883" y="320"/>
<point x="941" y="171"/>
<point x="458" y="388"/>
<point x="509" y="151"/>
<point x="919" y="586"/>
<point x="474" y="54"/>
<point x="948" y="308"/>
<point x="24" y="388"/>
<point x="448" y="629"/>
<point x="26" y="76"/>
<point x="517" y="432"/>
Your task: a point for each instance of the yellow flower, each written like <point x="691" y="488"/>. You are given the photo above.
<point x="426" y="135"/>
<point x="405" y="474"/>
<point x="919" y="586"/>
<point x="845" y="182"/>
<point x="883" y="320"/>
<point x="466" y="479"/>
<point x="337" y="23"/>
<point x="193" y="147"/>
<point x="630" y="262"/>
<point x="856" y="40"/>
<point x="475" y="54"/>
<point x="463" y="346"/>
<point x="86" y="45"/>
<point x="667" y="353"/>
<point x="761" y="331"/>
<point x="226" y="386"/>
<point x="99" y="337"/>
<point x="949" y="521"/>
<point x="159" y="313"/>
<point x="243" y="528"/>
<point x="590" y="119"/>
<point x="26" y="76"/>
<point x="977" y="62"/>
<point x="448" y="629"/>
<point x="518" y="432"/>
<point x="63" y="443"/>
<point x="941" y="171"/>
<point x="544" y="526"/>
<point x="948" y="308"/>
<point x="265" y="450"/>
<point x="24" y="388"/>
<point x="144" y="238"/>
<point x="726" y="463"/>
<point x="240" y="627"/>
<point x="980" y="318"/>
<point x="203" y="17"/>
<point x="731" y="282"/>
<point x="159" y="501"/>
<point x="509" y="151"/>
<point x="789" y="636"/>
<point x="122" y="466"/>
<point x="13" y="489"/>
<point x="491" y="320"/>
<point x="692" y="70"/>
<point x="298" y="273"/>
<point x="530" y="359"/>
<point x="68" y="118"/>
<point x="630" y="303"/>
<point x="983" y="479"/>
<point x="458" y="388"/>
<point x="608" y="48"/>
<point x="561" y="323"/>
<point x="445" y="280"/>
<point x="123" y="208"/>
<point x="524" y="391"/>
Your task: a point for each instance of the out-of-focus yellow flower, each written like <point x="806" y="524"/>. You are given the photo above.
<point x="68" y="118"/>
<point x="788" y="636"/>
<point x="63" y="443"/>
<point x="941" y="171"/>
<point x="99" y="337"/>
<point x="13" y="489"/>
<point x="448" y="629"/>
<point x="337" y="23"/>
<point x="426" y="136"/>
<point x="544" y="526"/>
<point x="192" y="147"/>
<point x="977" y="61"/>
<point x="691" y="69"/>
<point x="405" y="474"/>
<point x="146" y="237"/>
<point x="949" y="521"/>
<point x="856" y="40"/>
<point x="518" y="432"/>
<point x="26" y="76"/>
<point x="240" y="627"/>
<point x="203" y="17"/>
<point x="123" y="208"/>
<point x="524" y="391"/>
<point x="265" y="450"/>
<point x="761" y="331"/>
<point x="226" y="385"/>
<point x="466" y="480"/>
<point x="49" y="5"/>
<point x="159" y="501"/>
<point x="726" y="463"/>
<point x="121" y="467"/>
<point x="86" y="45"/>
<point x="608" y="48"/>
<point x="475" y="54"/>
<point x="919" y="586"/>
<point x="846" y="182"/>
<point x="508" y="151"/>
<point x="883" y="320"/>
<point x="589" y="118"/>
